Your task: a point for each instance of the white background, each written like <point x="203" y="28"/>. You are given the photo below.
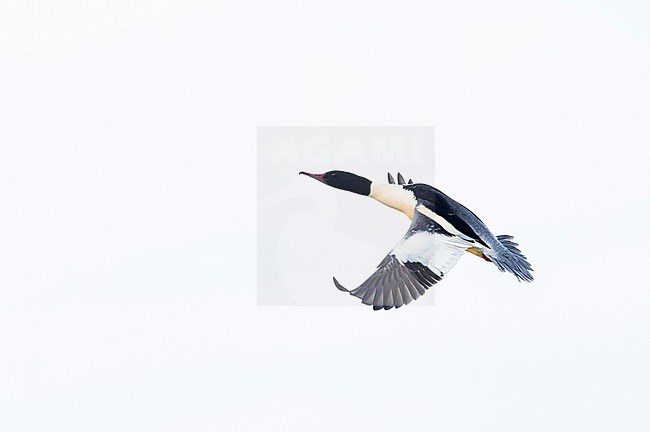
<point x="127" y="215"/>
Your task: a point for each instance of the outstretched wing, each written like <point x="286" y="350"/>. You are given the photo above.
<point x="423" y="256"/>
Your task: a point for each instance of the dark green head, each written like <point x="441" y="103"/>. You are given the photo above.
<point x="343" y="180"/>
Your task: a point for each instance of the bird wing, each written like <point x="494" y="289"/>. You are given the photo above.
<point x="423" y="256"/>
<point x="400" y="179"/>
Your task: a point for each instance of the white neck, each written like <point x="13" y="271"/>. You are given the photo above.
<point x="394" y="196"/>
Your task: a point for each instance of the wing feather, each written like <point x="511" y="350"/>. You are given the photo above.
<point x="420" y="260"/>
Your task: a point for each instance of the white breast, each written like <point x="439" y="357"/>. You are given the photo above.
<point x="394" y="196"/>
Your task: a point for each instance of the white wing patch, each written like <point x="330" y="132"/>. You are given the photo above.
<point x="423" y="256"/>
<point x="437" y="251"/>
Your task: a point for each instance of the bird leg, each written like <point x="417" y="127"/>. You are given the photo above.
<point x="479" y="253"/>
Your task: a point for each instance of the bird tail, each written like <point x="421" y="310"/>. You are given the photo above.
<point x="510" y="259"/>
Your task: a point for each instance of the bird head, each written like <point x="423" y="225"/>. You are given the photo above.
<point x="343" y="180"/>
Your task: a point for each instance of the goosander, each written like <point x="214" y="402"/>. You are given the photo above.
<point x="441" y="231"/>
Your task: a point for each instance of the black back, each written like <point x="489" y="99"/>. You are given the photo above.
<point x="452" y="211"/>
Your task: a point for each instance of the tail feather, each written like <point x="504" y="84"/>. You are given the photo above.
<point x="511" y="259"/>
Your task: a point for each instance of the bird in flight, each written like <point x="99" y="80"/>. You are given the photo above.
<point x="441" y="231"/>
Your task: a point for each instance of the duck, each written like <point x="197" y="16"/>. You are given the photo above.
<point x="442" y="230"/>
